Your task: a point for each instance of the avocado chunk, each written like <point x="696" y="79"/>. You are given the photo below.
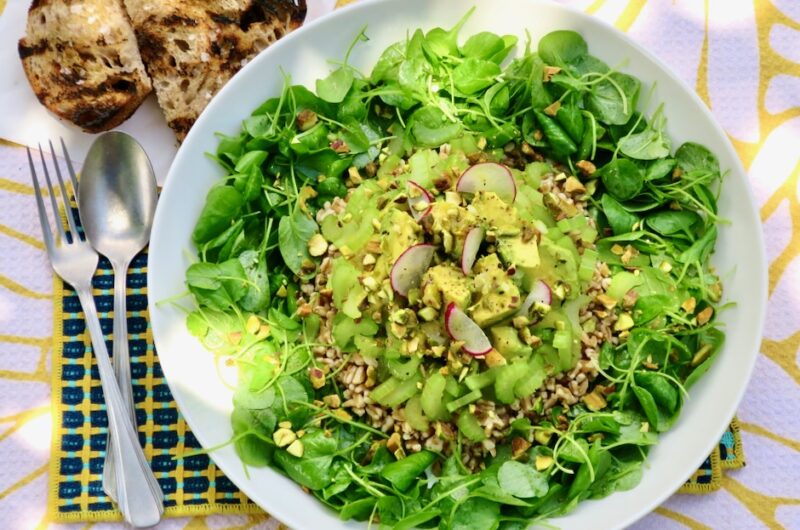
<point x="443" y="284"/>
<point x="505" y="339"/>
<point x="451" y="221"/>
<point x="496" y="213"/>
<point x="401" y="232"/>
<point x="498" y="295"/>
<point x="519" y="253"/>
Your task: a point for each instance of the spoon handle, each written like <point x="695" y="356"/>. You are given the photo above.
<point x="136" y="499"/>
<point x="122" y="371"/>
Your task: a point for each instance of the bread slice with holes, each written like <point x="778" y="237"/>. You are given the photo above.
<point x="82" y="61"/>
<point x="191" y="48"/>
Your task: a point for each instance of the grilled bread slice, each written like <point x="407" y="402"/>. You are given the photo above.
<point x="192" y="47"/>
<point x="82" y="60"/>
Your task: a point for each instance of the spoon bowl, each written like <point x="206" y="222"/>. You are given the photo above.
<point x="117" y="196"/>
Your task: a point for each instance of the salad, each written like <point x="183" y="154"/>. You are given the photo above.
<point x="466" y="290"/>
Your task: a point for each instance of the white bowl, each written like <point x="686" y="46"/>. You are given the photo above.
<point x="190" y="371"/>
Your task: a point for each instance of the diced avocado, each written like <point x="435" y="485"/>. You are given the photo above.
<point x="496" y="213"/>
<point x="447" y="283"/>
<point x="498" y="295"/>
<point x="506" y="340"/>
<point x="453" y="220"/>
<point x="521" y="254"/>
<point x="401" y="231"/>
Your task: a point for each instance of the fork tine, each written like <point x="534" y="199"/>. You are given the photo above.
<point x="72" y="175"/>
<point x="52" y="194"/>
<point x="73" y="225"/>
<point x="46" y="233"/>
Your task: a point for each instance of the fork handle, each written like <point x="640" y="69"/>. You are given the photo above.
<point x="139" y="504"/>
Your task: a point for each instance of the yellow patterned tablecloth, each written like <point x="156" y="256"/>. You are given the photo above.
<point x="742" y="57"/>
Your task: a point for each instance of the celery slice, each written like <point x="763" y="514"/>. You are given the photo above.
<point x="470" y="428"/>
<point x="466" y="399"/>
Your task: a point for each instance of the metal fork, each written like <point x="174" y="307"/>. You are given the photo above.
<point x="75" y="262"/>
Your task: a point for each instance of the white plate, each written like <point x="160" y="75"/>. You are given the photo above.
<point x="190" y="370"/>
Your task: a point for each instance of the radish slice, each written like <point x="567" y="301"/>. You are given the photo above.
<point x="540" y="293"/>
<point x="407" y="271"/>
<point x="489" y="176"/>
<point x="417" y="197"/>
<point x="472" y="243"/>
<point x="460" y="327"/>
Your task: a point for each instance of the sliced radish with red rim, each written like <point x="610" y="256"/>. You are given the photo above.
<point x="419" y="200"/>
<point x="488" y="176"/>
<point x="407" y="271"/>
<point x="462" y="328"/>
<point x="472" y="243"/>
<point x="540" y="293"/>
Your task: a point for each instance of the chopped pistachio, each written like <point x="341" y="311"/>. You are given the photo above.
<point x="494" y="358"/>
<point x="394" y="442"/>
<point x="552" y="109"/>
<point x="317" y="377"/>
<point x="542" y="437"/>
<point x="701" y="355"/>
<point x="573" y="185"/>
<point x="645" y="427"/>
<point x="370" y="283"/>
<point x="705" y="315"/>
<point x="235" y="337"/>
<point x="285" y="425"/>
<point x="594" y="401"/>
<point x="519" y="446"/>
<point x="283" y="437"/>
<point x="332" y="400"/>
<point x="427" y="314"/>
<point x="617" y="249"/>
<point x="368" y="260"/>
<point x="263" y="332"/>
<point x="317" y="246"/>
<point x="253" y="324"/>
<point x="295" y="448"/>
<point x="543" y="462"/>
<point x="624" y="322"/>
<point x="282" y="291"/>
<point x="689" y="304"/>
<point x="606" y="300"/>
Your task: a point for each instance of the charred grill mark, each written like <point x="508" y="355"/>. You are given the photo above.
<point x="26" y="51"/>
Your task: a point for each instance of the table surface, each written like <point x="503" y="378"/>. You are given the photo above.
<point x="742" y="57"/>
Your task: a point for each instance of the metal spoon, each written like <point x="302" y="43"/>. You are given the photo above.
<point x="117" y="198"/>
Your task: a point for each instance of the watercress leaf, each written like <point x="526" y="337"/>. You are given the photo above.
<point x="491" y="490"/>
<point x="253" y="450"/>
<point x="445" y="42"/>
<point x="700" y="249"/>
<point x="660" y="168"/>
<point x="476" y="513"/>
<point x="695" y="157"/>
<point x="620" y="220"/>
<point x="509" y="41"/>
<point x="412" y="76"/>
<point x="649" y="144"/>
<point x="402" y="473"/>
<point x="246" y="398"/>
<point x="613" y="100"/>
<point x="313" y="472"/>
<point x="294" y="232"/>
<point x="257" y="296"/>
<point x="431" y="128"/>
<point x="562" y="47"/>
<point x="649" y="307"/>
<point x="662" y="390"/>
<point x="482" y="45"/>
<point x="335" y="87"/>
<point x="416" y="519"/>
<point x="223" y="205"/>
<point x="521" y="480"/>
<point x="570" y="118"/>
<point x="559" y="141"/>
<point x="474" y="75"/>
<point x="311" y="141"/>
<point x="358" y="510"/>
<point x="389" y="63"/>
<point x="217" y="286"/>
<point x="669" y="222"/>
<point x="622" y="178"/>
<point x="648" y="404"/>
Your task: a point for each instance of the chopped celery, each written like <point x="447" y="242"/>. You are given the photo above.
<point x="534" y="172"/>
<point x="562" y="339"/>
<point x="466" y="399"/>
<point x="432" y="398"/>
<point x="532" y="379"/>
<point x="347" y="290"/>
<point x="383" y="390"/>
<point x="507" y="377"/>
<point x="345" y="329"/>
<point x="587" y="265"/>
<point x="403" y="368"/>
<point x="451" y="387"/>
<point x="470" y="428"/>
<point x="480" y="380"/>
<point x="621" y="283"/>
<point x="367" y="347"/>
<point x="414" y="415"/>
<point x="402" y="392"/>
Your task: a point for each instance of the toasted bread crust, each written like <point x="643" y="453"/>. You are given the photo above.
<point x="81" y="59"/>
<point x="191" y="48"/>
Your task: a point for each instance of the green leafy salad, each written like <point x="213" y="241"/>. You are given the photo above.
<point x="466" y="290"/>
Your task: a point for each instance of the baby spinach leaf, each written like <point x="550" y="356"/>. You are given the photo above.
<point x="294" y="231"/>
<point x="313" y="469"/>
<point x="521" y="480"/>
<point x="562" y="47"/>
<point x="445" y="42"/>
<point x="389" y="62"/>
<point x="648" y="404"/>
<point x="669" y="222"/>
<point x="416" y="519"/>
<point x="662" y="390"/>
<point x="649" y="144"/>
<point x="560" y="142"/>
<point x="223" y="205"/>
<point x="693" y="157"/>
<point x="658" y="169"/>
<point x="620" y="220"/>
<point x="257" y="296"/>
<point x="613" y="100"/>
<point x="475" y="513"/>
<point x="570" y="118"/>
<point x="402" y="473"/>
<point x="622" y="178"/>
<point x="474" y="75"/>
<point x="335" y="87"/>
<point x="700" y="249"/>
<point x="482" y="45"/>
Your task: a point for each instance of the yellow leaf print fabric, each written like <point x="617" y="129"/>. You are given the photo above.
<point x="741" y="56"/>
